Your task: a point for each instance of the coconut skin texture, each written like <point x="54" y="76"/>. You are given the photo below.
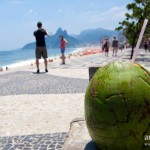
<point x="117" y="107"/>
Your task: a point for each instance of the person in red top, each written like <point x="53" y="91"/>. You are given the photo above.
<point x="63" y="44"/>
<point x="106" y="47"/>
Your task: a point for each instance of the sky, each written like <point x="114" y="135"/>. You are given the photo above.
<point x="18" y="18"/>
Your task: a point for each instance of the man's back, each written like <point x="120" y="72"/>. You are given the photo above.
<point x="40" y="37"/>
<point x="115" y="43"/>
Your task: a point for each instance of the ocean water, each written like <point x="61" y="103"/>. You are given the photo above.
<point x="19" y="57"/>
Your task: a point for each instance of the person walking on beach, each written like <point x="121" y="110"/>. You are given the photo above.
<point x="40" y="46"/>
<point x="146" y="45"/>
<point x="102" y="46"/>
<point x="121" y="45"/>
<point x="1" y="69"/>
<point x="106" y="47"/>
<point x="115" y="45"/>
<point x="63" y="43"/>
<point x="149" y="44"/>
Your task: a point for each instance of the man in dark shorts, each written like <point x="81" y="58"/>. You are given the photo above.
<point x="115" y="45"/>
<point x="40" y="46"/>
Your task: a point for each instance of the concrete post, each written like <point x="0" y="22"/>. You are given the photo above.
<point x="92" y="71"/>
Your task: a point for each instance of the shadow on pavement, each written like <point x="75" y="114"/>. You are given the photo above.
<point x="39" y="73"/>
<point x="143" y="59"/>
<point x="91" y="146"/>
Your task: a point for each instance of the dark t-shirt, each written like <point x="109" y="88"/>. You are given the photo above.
<point x="115" y="43"/>
<point x="40" y="37"/>
<point x="106" y="44"/>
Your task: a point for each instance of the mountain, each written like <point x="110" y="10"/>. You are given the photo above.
<point x="89" y="36"/>
<point x="53" y="41"/>
<point x="95" y="35"/>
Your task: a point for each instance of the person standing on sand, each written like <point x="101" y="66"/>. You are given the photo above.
<point x="106" y="47"/>
<point x="63" y="43"/>
<point x="146" y="45"/>
<point x="40" y="46"/>
<point x="115" y="45"/>
<point x="121" y="45"/>
<point x="102" y="46"/>
<point x="149" y="44"/>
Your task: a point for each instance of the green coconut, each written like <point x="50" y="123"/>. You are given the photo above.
<point x="117" y="107"/>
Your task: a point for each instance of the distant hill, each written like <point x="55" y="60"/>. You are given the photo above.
<point x="89" y="36"/>
<point x="95" y="35"/>
<point x="53" y="41"/>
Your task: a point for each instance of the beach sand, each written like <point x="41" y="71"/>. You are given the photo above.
<point x="39" y="114"/>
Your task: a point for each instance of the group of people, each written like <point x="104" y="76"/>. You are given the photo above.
<point x="147" y="45"/>
<point x="1" y="68"/>
<point x="41" y="50"/>
<point x="115" y="45"/>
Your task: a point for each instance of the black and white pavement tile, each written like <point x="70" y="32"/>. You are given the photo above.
<point x="100" y="60"/>
<point x="26" y="82"/>
<point x="52" y="141"/>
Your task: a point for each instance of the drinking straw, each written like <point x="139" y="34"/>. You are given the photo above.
<point x="139" y="41"/>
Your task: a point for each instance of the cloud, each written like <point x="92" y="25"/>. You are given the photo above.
<point x="114" y="13"/>
<point x="59" y="10"/>
<point x="107" y="19"/>
<point x="117" y="13"/>
<point x="31" y="13"/>
<point x="18" y="2"/>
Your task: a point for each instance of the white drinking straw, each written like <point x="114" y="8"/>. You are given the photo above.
<point x="139" y="41"/>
